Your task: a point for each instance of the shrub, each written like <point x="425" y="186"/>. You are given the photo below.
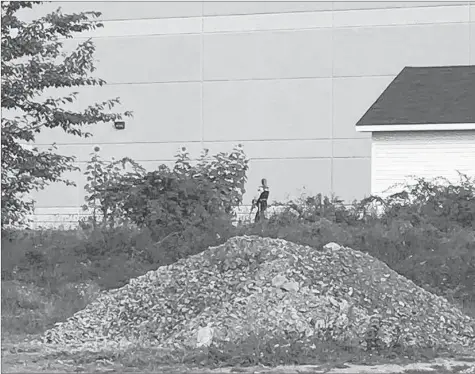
<point x="168" y="201"/>
<point x="437" y="202"/>
<point x="311" y="209"/>
<point x="105" y="192"/>
<point x="198" y="196"/>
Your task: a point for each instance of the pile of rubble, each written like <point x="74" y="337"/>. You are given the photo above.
<point x="274" y="287"/>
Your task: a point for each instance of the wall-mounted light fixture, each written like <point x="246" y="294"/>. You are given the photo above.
<point x="119" y="125"/>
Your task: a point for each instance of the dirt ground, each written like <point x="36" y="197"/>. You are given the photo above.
<point x="23" y="357"/>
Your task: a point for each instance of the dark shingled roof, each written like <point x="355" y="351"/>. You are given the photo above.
<point x="423" y="95"/>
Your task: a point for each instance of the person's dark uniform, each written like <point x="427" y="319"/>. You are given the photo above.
<point x="261" y="201"/>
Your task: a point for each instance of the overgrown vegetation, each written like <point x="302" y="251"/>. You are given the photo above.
<point x="141" y="220"/>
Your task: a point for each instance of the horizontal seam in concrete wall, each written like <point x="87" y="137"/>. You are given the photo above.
<point x="344" y="19"/>
<point x="199" y="141"/>
<point x="247" y="79"/>
<point x="281" y="21"/>
<point x="334" y="10"/>
<point x="415" y="7"/>
<point x="145" y="18"/>
<point x="402" y="8"/>
<point x="308" y="158"/>
<point x="260" y="22"/>
<point x="256" y="158"/>
<point x="284" y="12"/>
<point x="274" y="30"/>
<point x="84" y="38"/>
<point x="335" y="28"/>
<point x="268" y="13"/>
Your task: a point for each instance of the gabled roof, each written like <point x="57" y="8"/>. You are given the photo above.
<point x="425" y="98"/>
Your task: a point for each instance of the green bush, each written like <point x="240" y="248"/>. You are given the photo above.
<point x="436" y="202"/>
<point x="105" y="190"/>
<point x="168" y="201"/>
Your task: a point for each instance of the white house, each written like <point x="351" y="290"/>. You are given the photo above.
<point x="422" y="125"/>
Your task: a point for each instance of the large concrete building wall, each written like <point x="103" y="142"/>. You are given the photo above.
<point x="288" y="80"/>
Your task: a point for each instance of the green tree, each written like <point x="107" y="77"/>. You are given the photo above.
<point x="33" y="60"/>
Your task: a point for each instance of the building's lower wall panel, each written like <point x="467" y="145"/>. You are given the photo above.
<point x="351" y="178"/>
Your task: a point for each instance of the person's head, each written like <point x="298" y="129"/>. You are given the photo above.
<point x="264" y="182"/>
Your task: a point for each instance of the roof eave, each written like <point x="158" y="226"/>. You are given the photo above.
<point x="416" y="127"/>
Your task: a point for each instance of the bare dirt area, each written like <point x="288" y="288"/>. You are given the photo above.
<point x="26" y="357"/>
<point x="20" y="355"/>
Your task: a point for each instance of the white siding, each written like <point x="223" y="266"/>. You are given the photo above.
<point x="397" y="156"/>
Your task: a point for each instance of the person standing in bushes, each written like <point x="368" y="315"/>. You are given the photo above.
<point x="260" y="201"/>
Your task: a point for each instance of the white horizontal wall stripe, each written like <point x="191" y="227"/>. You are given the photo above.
<point x="261" y="22"/>
<point x="52" y="211"/>
<point x="282" y="21"/>
<point x="401" y="16"/>
<point x="144" y="27"/>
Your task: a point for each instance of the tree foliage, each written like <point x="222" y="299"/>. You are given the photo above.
<point x="33" y="61"/>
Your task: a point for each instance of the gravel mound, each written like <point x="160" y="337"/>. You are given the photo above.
<point x="252" y="284"/>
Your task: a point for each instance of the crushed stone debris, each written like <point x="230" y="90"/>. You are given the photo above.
<point x="252" y="284"/>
